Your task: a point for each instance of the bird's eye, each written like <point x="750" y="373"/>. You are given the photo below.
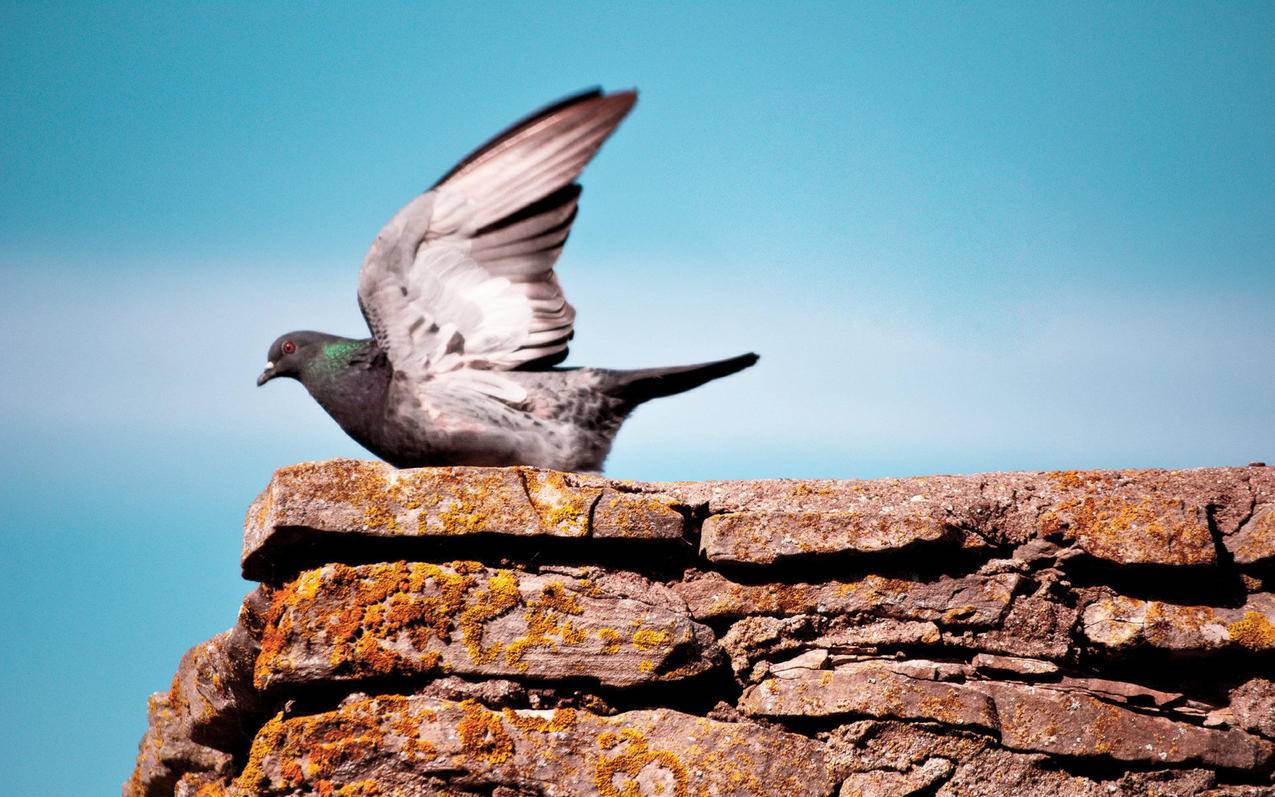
<point x="289" y="347"/>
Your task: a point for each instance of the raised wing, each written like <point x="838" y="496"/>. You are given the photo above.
<point x="462" y="276"/>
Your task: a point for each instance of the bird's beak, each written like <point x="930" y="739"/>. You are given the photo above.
<point x="266" y="375"/>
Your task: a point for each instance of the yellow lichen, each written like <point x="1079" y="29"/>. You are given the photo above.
<point x="482" y="735"/>
<point x="1253" y="631"/>
<point x="627" y="764"/>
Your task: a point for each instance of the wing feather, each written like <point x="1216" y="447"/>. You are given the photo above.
<point x="462" y="277"/>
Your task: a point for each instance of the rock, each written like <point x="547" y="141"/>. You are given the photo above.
<point x="869" y="689"/>
<point x="946" y="635"/>
<point x="1015" y="665"/>
<point x="395" y="741"/>
<point x="1058" y="722"/>
<point x="1036" y="626"/>
<point x="973" y="601"/>
<point x="792" y="668"/>
<point x="1254" y="543"/>
<point x="201" y="717"/>
<point x="341" y="623"/>
<point x="1118" y="622"/>
<point x="767" y="537"/>
<point x="371" y="499"/>
<point x="887" y="783"/>
<point x="881" y="634"/>
<point x="1253" y="705"/>
<point x="166" y="753"/>
<point x="1119" y="691"/>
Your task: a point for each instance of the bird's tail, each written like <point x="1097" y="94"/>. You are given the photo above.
<point x="642" y="385"/>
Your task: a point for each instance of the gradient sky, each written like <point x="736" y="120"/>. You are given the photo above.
<point x="963" y="237"/>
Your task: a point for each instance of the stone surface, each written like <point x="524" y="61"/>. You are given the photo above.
<point x="392" y="742"/>
<point x="1254" y="543"/>
<point x="869" y="689"/>
<point x="1071" y="633"/>
<point x="767" y="537"/>
<point x="974" y="601"/>
<point x="1119" y="622"/>
<point x="1065" y="722"/>
<point x="1016" y="665"/>
<point x="1253" y="706"/>
<point x="342" y="623"/>
<point x="889" y="783"/>
<point x="350" y="497"/>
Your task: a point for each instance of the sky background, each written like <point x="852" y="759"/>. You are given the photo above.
<point x="963" y="238"/>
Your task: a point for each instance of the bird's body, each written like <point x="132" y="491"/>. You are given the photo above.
<point x="469" y="322"/>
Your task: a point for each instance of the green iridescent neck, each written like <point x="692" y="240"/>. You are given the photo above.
<point x="342" y="350"/>
<point x="334" y="358"/>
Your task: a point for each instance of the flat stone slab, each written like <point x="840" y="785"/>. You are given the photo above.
<point x="360" y="498"/>
<point x="1065" y="722"/>
<point x="868" y="689"/>
<point x="762" y="538"/>
<point x="1118" y="622"/>
<point x="1052" y="719"/>
<point x="418" y="745"/>
<point x="1154" y="517"/>
<point x="974" y="601"/>
<point x="342" y="623"/>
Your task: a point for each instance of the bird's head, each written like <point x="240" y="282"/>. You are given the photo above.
<point x="289" y="353"/>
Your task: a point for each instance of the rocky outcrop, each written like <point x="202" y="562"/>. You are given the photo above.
<point x="519" y="632"/>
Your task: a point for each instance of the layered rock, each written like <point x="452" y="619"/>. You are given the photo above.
<point x="521" y="632"/>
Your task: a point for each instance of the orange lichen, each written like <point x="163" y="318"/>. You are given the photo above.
<point x="1253" y="631"/>
<point x="482" y="735"/>
<point x="630" y="762"/>
<point x="1152" y="528"/>
<point x="363" y="614"/>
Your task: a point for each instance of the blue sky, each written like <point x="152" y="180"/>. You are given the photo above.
<point x="964" y="237"/>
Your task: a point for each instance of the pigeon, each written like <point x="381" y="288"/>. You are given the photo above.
<point x="468" y="321"/>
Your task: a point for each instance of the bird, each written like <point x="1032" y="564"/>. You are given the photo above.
<point x="469" y="323"/>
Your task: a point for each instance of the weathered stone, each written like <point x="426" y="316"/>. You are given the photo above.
<point x="973" y="601"/>
<point x="341" y="623"/>
<point x="754" y="638"/>
<point x="350" y="497"/>
<point x="1026" y="668"/>
<point x="982" y="769"/>
<point x="888" y="783"/>
<point x="1254" y="543"/>
<point x="881" y="634"/>
<point x="1253" y="706"/>
<point x="1036" y="626"/>
<point x="203" y="713"/>
<point x="1145" y="517"/>
<point x="1118" y="622"/>
<point x="869" y="689"/>
<point x="810" y="660"/>
<point x="767" y="537"/>
<point x="394" y="742"/>
<point x="1058" y="722"/>
<point x="1120" y="691"/>
<point x="908" y="680"/>
<point x="166" y="753"/>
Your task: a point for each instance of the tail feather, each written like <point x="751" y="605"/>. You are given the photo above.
<point x="645" y="384"/>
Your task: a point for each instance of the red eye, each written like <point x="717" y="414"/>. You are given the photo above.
<point x="289" y="347"/>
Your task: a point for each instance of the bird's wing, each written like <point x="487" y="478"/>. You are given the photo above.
<point x="462" y="276"/>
